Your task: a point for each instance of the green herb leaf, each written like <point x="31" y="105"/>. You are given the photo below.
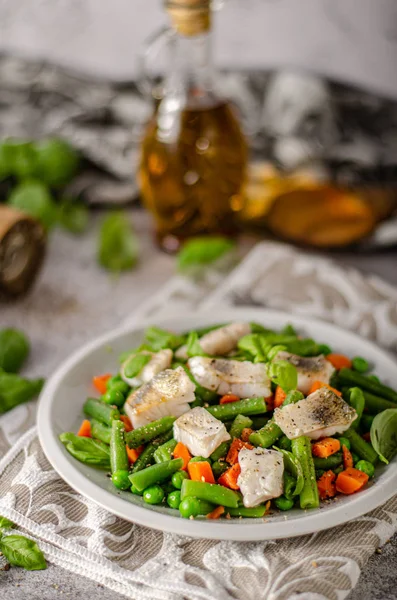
<point x="256" y="345"/>
<point x="15" y="390"/>
<point x="134" y="364"/>
<point x="87" y="450"/>
<point x="118" y="248"/>
<point x="158" y="339"/>
<point x="203" y="251"/>
<point x="193" y="347"/>
<point x="18" y="158"/>
<point x="14" y="349"/>
<point x="34" y="198"/>
<point x="282" y="373"/>
<point x="384" y="434"/>
<point x="305" y="347"/>
<point x="6" y="523"/>
<point x="289" y="330"/>
<point x="73" y="216"/>
<point x="56" y="162"/>
<point x="22" y="552"/>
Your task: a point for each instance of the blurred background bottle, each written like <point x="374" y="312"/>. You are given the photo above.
<point x="194" y="154"/>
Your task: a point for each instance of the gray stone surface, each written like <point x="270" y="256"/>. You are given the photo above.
<point x="378" y="580"/>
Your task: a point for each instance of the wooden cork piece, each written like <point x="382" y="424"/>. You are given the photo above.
<point x="22" y="249"/>
<point x="190" y="17"/>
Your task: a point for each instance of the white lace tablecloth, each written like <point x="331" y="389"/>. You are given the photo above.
<point x="145" y="564"/>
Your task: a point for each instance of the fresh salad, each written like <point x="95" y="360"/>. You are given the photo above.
<point x="236" y="419"/>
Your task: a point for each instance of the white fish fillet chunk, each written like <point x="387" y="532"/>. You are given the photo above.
<point x="244" y="379"/>
<point x="158" y="362"/>
<point x="200" y="432"/>
<point x="310" y="369"/>
<point x="321" y="414"/>
<point x="220" y="341"/>
<point x="167" y="394"/>
<point x="261" y="476"/>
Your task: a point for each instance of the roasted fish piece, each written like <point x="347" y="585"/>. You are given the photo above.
<point x="159" y="361"/>
<point x="261" y="476"/>
<point x="244" y="379"/>
<point x="322" y="414"/>
<point x="167" y="394"/>
<point x="314" y="368"/>
<point x="220" y="341"/>
<point x="200" y="432"/>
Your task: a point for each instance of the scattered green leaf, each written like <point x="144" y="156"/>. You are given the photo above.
<point x="22" y="552"/>
<point x="57" y="162"/>
<point x="282" y="373"/>
<point x="158" y="339"/>
<point x="15" y="390"/>
<point x="193" y="347"/>
<point x="384" y="434"/>
<point x="73" y="216"/>
<point x="256" y="345"/>
<point x="201" y="251"/>
<point x="18" y="158"/>
<point x="6" y="523"/>
<point x="118" y="249"/>
<point x="14" y="349"/>
<point x="34" y="198"/>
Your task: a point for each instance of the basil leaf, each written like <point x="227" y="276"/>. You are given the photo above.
<point x="293" y="466"/>
<point x="158" y="339"/>
<point x="15" y="390"/>
<point x="384" y="434"/>
<point x="282" y="373"/>
<point x="14" y="349"/>
<point x="118" y="247"/>
<point x="305" y="347"/>
<point x="73" y="216"/>
<point x="34" y="198"/>
<point x="87" y="450"/>
<point x="256" y="345"/>
<point x="124" y="355"/>
<point x="258" y="328"/>
<point x="289" y="330"/>
<point x="193" y="347"/>
<point x="57" y="162"/>
<point x="135" y="364"/>
<point x="22" y="552"/>
<point x="6" y="523"/>
<point x="203" y="251"/>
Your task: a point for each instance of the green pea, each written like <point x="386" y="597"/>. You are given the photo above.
<point x="114" y="397"/>
<point x="360" y="364"/>
<point x="199" y="459"/>
<point x="345" y="442"/>
<point x="120" y="386"/>
<point x="120" y="480"/>
<point x="324" y="349"/>
<point x="374" y="378"/>
<point x="355" y="457"/>
<point x="112" y="380"/>
<point x="284" y="503"/>
<point x="193" y="507"/>
<point x="178" y="478"/>
<point x="366" y="467"/>
<point x="135" y="490"/>
<point x="153" y="494"/>
<point x="174" y="499"/>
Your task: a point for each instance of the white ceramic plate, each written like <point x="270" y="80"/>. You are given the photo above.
<point x="64" y="394"/>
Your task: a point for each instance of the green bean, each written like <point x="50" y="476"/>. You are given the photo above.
<point x="375" y="404"/>
<point x="193" y="507"/>
<point x="357" y="401"/>
<point x="319" y="473"/>
<point x="259" y="422"/>
<point x="221" y="451"/>
<point x="217" y="494"/>
<point x="302" y="450"/>
<point x="147" y="457"/>
<point x="284" y="443"/>
<point x="239" y="423"/>
<point x="255" y="512"/>
<point x="164" y="452"/>
<point x="219" y="467"/>
<point x="360" y="446"/>
<point x="155" y="473"/>
<point x="147" y="433"/>
<point x="99" y="410"/>
<point x="328" y="463"/>
<point x="100" y="431"/>
<point x="267" y="436"/>
<point x="250" y="406"/>
<point x="352" y="378"/>
<point x="118" y="452"/>
<point x="289" y="485"/>
<point x="366" y="422"/>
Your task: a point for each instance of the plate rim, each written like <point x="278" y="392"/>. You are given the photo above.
<point x="200" y="528"/>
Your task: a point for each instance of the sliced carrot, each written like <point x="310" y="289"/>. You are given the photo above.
<point x="99" y="382"/>
<point x="339" y="361"/>
<point x="325" y="447"/>
<point x="326" y="485"/>
<point x="317" y="385"/>
<point x="236" y="446"/>
<point x="216" y="513"/>
<point x="134" y="453"/>
<point x="229" y="477"/>
<point x="270" y="402"/>
<point x="245" y="434"/>
<point x="347" y="457"/>
<point x="201" y="471"/>
<point x="229" y="398"/>
<point x="180" y="451"/>
<point x="85" y="429"/>
<point x="279" y="397"/>
<point x="127" y="423"/>
<point x="351" y="480"/>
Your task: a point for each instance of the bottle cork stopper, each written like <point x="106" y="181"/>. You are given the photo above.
<point x="189" y="17"/>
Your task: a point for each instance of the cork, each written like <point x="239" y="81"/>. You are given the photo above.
<point x="189" y="17"/>
<point x="22" y="249"/>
